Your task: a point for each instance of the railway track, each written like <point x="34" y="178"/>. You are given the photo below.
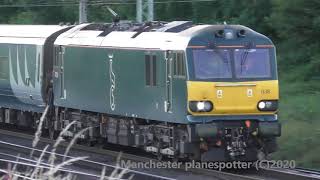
<point x="29" y="163"/>
<point x="86" y="163"/>
<point x="252" y="174"/>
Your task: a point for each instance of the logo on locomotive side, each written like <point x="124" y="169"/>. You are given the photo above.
<point x="249" y="92"/>
<point x="219" y="93"/>
<point x="112" y="83"/>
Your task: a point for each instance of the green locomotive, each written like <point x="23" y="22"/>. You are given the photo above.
<point x="175" y="89"/>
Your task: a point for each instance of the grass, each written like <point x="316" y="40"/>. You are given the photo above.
<point x="51" y="169"/>
<point x="300" y="117"/>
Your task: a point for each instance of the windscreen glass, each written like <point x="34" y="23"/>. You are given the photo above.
<point x="232" y="63"/>
<point x="252" y="63"/>
<point x="212" y="64"/>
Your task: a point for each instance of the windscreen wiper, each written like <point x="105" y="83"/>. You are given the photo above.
<point x="224" y="58"/>
<point x="245" y="54"/>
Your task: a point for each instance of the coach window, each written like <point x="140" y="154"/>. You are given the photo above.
<point x="179" y="70"/>
<point x="151" y="70"/>
<point x="4" y="68"/>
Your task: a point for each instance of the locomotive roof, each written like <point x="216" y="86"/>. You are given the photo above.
<point x="153" y="39"/>
<point x="175" y="35"/>
<point x="27" y="34"/>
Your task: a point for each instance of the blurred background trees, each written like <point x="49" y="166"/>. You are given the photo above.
<point x="293" y="25"/>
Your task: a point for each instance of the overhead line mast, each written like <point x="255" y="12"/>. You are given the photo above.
<point x="83" y="11"/>
<point x="145" y="10"/>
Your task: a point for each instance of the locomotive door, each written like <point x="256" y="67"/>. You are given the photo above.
<point x="61" y="70"/>
<point x="168" y="102"/>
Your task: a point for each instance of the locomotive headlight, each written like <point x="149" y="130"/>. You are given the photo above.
<point x="268" y="105"/>
<point x="229" y="35"/>
<point x="262" y="105"/>
<point x="200" y="106"/>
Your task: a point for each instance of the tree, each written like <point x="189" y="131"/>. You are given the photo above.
<point x="297" y="25"/>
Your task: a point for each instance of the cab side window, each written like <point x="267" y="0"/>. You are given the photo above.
<point x="151" y="70"/>
<point x="179" y="69"/>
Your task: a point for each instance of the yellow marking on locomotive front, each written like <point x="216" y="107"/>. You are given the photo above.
<point x="233" y="98"/>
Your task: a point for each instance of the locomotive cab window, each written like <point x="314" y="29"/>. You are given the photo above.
<point x="151" y="70"/>
<point x="252" y="63"/>
<point x="179" y="65"/>
<point x="212" y="64"/>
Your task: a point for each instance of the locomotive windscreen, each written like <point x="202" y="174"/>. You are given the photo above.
<point x="212" y="64"/>
<point x="232" y="63"/>
<point x="252" y="63"/>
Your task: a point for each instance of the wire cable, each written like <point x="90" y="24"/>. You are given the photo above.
<point x="92" y="3"/>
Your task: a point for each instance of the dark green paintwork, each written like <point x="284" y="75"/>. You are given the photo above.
<point x="87" y="84"/>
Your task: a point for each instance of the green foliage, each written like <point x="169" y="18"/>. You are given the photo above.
<point x="26" y="17"/>
<point x="101" y="13"/>
<point x="299" y="114"/>
<point x="297" y="23"/>
<point x="174" y="11"/>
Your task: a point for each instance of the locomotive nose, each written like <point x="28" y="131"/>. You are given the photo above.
<point x="232" y="98"/>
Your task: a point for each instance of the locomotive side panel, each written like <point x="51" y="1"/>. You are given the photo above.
<point x="138" y="83"/>
<point x="80" y="78"/>
<point x="128" y="83"/>
<point x="143" y="86"/>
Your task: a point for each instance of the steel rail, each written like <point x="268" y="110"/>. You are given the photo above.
<point x="263" y="173"/>
<point x="82" y="148"/>
<point x="59" y="169"/>
<point x="306" y="170"/>
<point x="292" y="174"/>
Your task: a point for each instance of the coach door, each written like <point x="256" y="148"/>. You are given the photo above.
<point x="168" y="102"/>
